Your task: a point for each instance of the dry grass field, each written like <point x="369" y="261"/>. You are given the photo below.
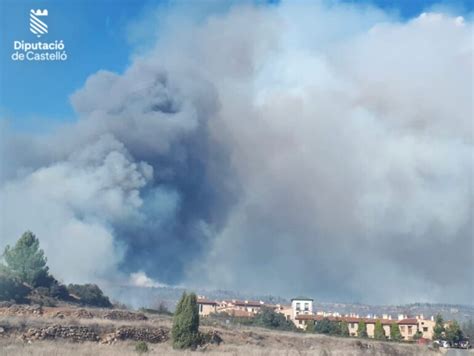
<point x="236" y="340"/>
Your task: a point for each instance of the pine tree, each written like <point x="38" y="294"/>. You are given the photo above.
<point x="185" y="331"/>
<point x="26" y="261"/>
<point x="362" y="329"/>
<point x="379" y="332"/>
<point x="395" y="334"/>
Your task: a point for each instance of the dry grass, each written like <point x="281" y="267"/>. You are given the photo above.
<point x="249" y="341"/>
<point x="60" y="348"/>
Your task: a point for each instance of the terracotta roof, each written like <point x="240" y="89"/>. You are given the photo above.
<point x="240" y="313"/>
<point x="347" y="319"/>
<point x="242" y="303"/>
<point x="409" y="321"/>
<point x="206" y="301"/>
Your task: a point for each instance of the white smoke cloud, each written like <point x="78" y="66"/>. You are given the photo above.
<point x="298" y="148"/>
<point x="140" y="279"/>
<point x="71" y="206"/>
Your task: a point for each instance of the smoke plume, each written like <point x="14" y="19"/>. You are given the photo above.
<point x="287" y="149"/>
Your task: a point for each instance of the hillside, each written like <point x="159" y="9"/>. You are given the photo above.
<point x="26" y="330"/>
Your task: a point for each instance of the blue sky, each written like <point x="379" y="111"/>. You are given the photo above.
<point x="36" y="94"/>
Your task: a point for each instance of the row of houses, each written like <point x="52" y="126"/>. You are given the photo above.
<point x="301" y="313"/>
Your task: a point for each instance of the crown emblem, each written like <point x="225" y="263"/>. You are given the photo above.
<point x="39" y="12"/>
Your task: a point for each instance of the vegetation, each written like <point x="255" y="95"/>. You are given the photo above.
<point x="24" y="273"/>
<point x="362" y="329"/>
<point x="418" y="335"/>
<point x="141" y="347"/>
<point x="311" y="327"/>
<point x="329" y="327"/>
<point x="26" y="262"/>
<point x="24" y="276"/>
<point x="89" y="294"/>
<point x="395" y="333"/>
<point x="453" y="333"/>
<point x="11" y="289"/>
<point x="185" y="330"/>
<point x="161" y="309"/>
<point x="268" y="318"/>
<point x="468" y="329"/>
<point x="438" y="329"/>
<point x="344" y="328"/>
<point x="379" y="332"/>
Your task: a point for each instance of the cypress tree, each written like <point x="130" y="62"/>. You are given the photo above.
<point x="185" y="331"/>
<point x="344" y="328"/>
<point x="395" y="334"/>
<point x="362" y="329"/>
<point x="379" y="332"/>
<point x="438" y="330"/>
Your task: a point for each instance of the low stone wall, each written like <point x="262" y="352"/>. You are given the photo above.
<point x="152" y="335"/>
<point x="72" y="333"/>
<point x="85" y="333"/>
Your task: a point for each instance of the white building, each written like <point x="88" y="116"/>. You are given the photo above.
<point x="301" y="306"/>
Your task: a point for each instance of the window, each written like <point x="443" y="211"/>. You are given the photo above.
<point x="402" y="328"/>
<point x="306" y="306"/>
<point x="425" y="329"/>
<point x="200" y="308"/>
<point x="298" y="306"/>
<point x="299" y="322"/>
<point x="410" y="329"/>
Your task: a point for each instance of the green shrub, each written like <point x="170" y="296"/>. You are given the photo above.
<point x="141" y="347"/>
<point x="11" y="289"/>
<point x="185" y="330"/>
<point x="89" y="294"/>
<point x="59" y="291"/>
<point x="268" y="318"/>
<point x="161" y="310"/>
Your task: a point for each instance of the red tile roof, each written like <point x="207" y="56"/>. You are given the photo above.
<point x="409" y="321"/>
<point x="349" y="319"/>
<point x="239" y="313"/>
<point x="248" y="303"/>
<point x="206" y="301"/>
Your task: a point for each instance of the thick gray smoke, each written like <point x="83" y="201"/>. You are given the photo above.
<point x="297" y="148"/>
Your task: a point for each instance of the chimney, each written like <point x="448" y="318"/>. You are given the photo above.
<point x="400" y="317"/>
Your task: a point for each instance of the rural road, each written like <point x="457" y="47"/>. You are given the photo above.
<point x="458" y="352"/>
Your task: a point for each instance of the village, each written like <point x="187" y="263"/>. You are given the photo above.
<point x="301" y="313"/>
